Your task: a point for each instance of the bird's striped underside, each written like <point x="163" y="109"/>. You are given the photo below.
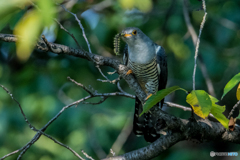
<point x="147" y="77"/>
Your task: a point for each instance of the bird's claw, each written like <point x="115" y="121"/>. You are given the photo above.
<point x="148" y="97"/>
<point x="129" y="72"/>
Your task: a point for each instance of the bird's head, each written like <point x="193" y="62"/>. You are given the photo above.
<point x="132" y="35"/>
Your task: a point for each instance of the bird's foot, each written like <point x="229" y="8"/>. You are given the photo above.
<point x="148" y="97"/>
<point x="129" y="72"/>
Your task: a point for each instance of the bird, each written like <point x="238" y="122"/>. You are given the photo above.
<point x="148" y="63"/>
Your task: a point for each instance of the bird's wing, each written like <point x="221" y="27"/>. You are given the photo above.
<point x="162" y="64"/>
<point x="125" y="55"/>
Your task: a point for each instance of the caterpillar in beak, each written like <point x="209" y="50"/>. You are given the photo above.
<point x="116" y="43"/>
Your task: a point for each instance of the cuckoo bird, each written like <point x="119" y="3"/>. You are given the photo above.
<point x="147" y="61"/>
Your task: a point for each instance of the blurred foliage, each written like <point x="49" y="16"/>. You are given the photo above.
<point x="40" y="84"/>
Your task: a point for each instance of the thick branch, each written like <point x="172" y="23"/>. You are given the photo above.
<point x="152" y="150"/>
<point x="178" y="130"/>
<point x="203" y="130"/>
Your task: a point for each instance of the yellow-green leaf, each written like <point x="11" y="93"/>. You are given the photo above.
<point x="238" y="92"/>
<point x="217" y="112"/>
<point x="232" y="83"/>
<point x="200" y="102"/>
<point x="28" y="29"/>
<point x="154" y="99"/>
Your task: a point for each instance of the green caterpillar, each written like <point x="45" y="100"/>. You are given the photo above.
<point x="116" y="43"/>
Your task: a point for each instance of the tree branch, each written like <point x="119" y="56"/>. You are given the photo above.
<point x="233" y="109"/>
<point x="178" y="130"/>
<point x="152" y="150"/>
<point x="97" y="59"/>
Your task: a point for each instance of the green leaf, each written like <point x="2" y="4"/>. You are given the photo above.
<point x="154" y="99"/>
<point x="217" y="112"/>
<point x="232" y="83"/>
<point x="200" y="102"/>
<point x="47" y="11"/>
<point x="238" y="117"/>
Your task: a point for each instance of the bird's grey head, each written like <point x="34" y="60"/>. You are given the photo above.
<point x="133" y="36"/>
<point x="141" y="49"/>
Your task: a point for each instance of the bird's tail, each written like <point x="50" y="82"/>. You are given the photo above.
<point x="138" y="122"/>
<point x="150" y="133"/>
<point x="144" y="125"/>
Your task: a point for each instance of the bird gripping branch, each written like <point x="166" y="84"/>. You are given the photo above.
<point x="147" y="61"/>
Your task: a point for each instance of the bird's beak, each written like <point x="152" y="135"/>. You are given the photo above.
<point x="127" y="35"/>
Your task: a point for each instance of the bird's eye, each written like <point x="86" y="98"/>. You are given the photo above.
<point x="134" y="32"/>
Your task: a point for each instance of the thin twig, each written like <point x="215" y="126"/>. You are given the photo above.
<point x="61" y="26"/>
<point x="103" y="98"/>
<point x="89" y="157"/>
<point x="106" y="79"/>
<point x="80" y="85"/>
<point x="194" y="39"/>
<point x="81" y="26"/>
<point x="47" y="43"/>
<point x="170" y="104"/>
<point x="234" y="107"/>
<point x="109" y="81"/>
<point x="111" y="73"/>
<point x="12" y="153"/>
<point x="96" y="94"/>
<point x="61" y="144"/>
<point x="198" y="42"/>
<point x="20" y="107"/>
<point x="120" y="88"/>
<point x="99" y="69"/>
<point x="112" y="152"/>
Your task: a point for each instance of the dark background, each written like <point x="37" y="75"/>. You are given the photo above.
<point x="41" y="86"/>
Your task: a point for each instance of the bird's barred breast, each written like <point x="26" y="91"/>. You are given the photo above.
<point x="146" y="74"/>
